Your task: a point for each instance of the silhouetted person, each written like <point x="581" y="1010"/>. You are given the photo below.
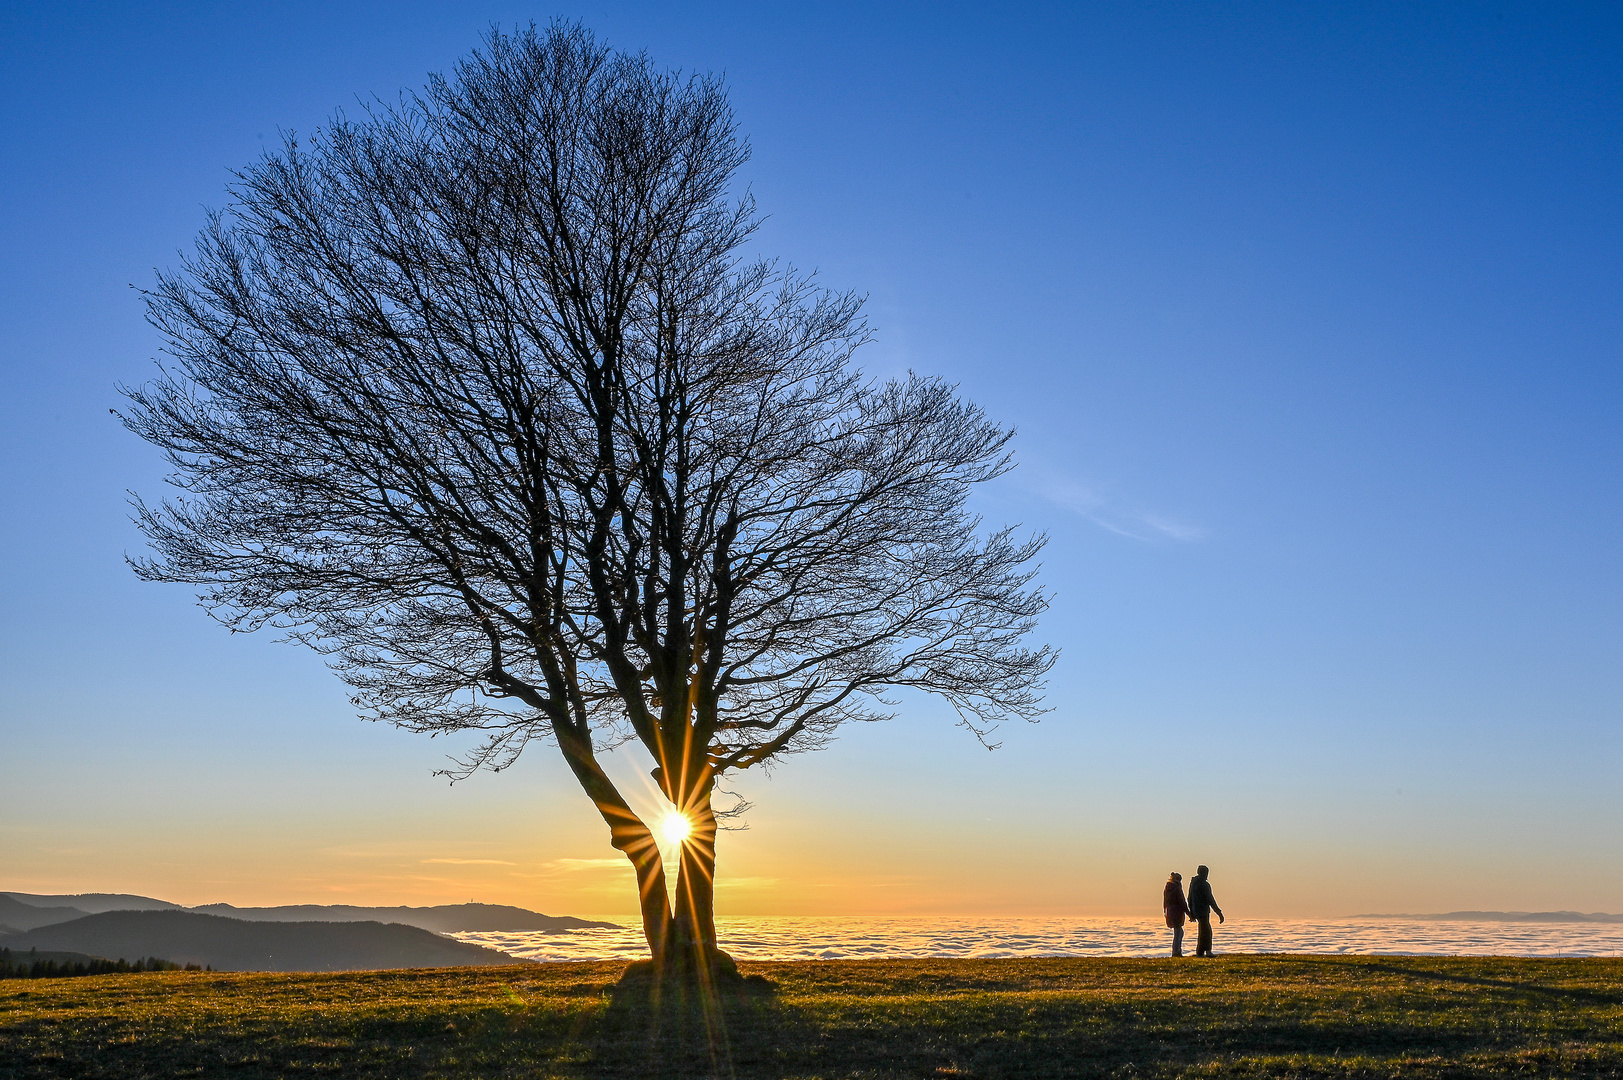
<point x="1176" y="909"/>
<point x="1201" y="906"/>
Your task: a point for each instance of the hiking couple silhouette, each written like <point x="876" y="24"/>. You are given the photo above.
<point x="1199" y="906"/>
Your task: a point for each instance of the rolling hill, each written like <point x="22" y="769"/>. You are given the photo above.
<point x="94" y="902"/>
<point x="27" y="911"/>
<point x="240" y="945"/>
<point x="24" y="916"/>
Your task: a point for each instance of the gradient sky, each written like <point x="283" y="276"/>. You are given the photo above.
<point x="1308" y="317"/>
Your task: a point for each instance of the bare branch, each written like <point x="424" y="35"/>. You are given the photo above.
<point x="478" y="396"/>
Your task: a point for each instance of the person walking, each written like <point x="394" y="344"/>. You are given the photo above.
<point x="1176" y="910"/>
<point x="1201" y="905"/>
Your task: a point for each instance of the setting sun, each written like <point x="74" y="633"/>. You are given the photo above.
<point x="676" y="828"/>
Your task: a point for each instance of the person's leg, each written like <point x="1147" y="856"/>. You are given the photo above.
<point x="1203" y="943"/>
<point x="1177" y="941"/>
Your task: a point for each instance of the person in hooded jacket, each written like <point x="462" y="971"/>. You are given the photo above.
<point x="1176" y="910"/>
<point x="1201" y="906"/>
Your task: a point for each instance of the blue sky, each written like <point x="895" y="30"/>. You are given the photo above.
<point x="1308" y="317"/>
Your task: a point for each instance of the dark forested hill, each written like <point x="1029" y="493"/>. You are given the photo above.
<point x="238" y="945"/>
<point x="442" y="919"/>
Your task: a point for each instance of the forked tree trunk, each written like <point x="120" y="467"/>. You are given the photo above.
<point x="630" y="834"/>
<point x="685" y="963"/>
<point x="643" y="851"/>
<point x="681" y="938"/>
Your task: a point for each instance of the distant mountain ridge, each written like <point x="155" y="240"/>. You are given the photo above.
<point x="93" y="903"/>
<point x="27" y="911"/>
<point x="239" y="945"/>
<point x="21" y="915"/>
<point x="1508" y="916"/>
<point x="442" y="918"/>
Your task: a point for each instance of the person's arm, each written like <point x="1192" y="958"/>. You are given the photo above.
<point x="1215" y="908"/>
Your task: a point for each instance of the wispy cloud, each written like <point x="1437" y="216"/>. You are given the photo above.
<point x="1177" y="530"/>
<point x="472" y="862"/>
<point x="746" y="882"/>
<point x="573" y="865"/>
<point x="352" y="853"/>
<point x="1110" y="514"/>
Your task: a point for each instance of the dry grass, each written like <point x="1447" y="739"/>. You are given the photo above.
<point x="1249" y="1016"/>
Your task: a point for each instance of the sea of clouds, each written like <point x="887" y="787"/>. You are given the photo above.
<point x="832" y="938"/>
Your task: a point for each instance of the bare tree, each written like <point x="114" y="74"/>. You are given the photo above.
<point x="479" y="396"/>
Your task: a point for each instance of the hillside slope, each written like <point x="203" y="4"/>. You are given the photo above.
<point x="238" y="945"/>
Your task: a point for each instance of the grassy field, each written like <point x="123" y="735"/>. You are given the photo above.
<point x="1234" y="1016"/>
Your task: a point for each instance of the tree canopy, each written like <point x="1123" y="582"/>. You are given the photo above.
<point x="482" y="395"/>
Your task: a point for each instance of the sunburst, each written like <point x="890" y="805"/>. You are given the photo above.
<point x="676" y="828"/>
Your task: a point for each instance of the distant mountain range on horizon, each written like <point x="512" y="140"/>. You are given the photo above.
<point x="20" y="915"/>
<point x="27" y="911"/>
<point x="441" y="919"/>
<point x="292" y="937"/>
<point x="1506" y="916"/>
<point x="188" y="937"/>
<point x="94" y="903"/>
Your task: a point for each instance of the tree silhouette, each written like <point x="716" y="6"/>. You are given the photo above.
<point x="479" y="396"/>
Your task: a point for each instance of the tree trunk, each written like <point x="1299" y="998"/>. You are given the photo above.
<point x="640" y="847"/>
<point x="681" y="939"/>
<point x="693" y="926"/>
<point x="630" y="834"/>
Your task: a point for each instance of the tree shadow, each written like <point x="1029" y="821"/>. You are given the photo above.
<point x="1387" y="1017"/>
<point x="684" y="1033"/>
<point x="1574" y="993"/>
<point x="1070" y="1035"/>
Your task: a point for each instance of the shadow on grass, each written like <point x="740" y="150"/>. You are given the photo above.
<point x="933" y="1026"/>
<point x="1574" y="993"/>
<point x="748" y="1040"/>
<point x="686" y="1039"/>
<point x="1072" y="1038"/>
<point x="1286" y="1019"/>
